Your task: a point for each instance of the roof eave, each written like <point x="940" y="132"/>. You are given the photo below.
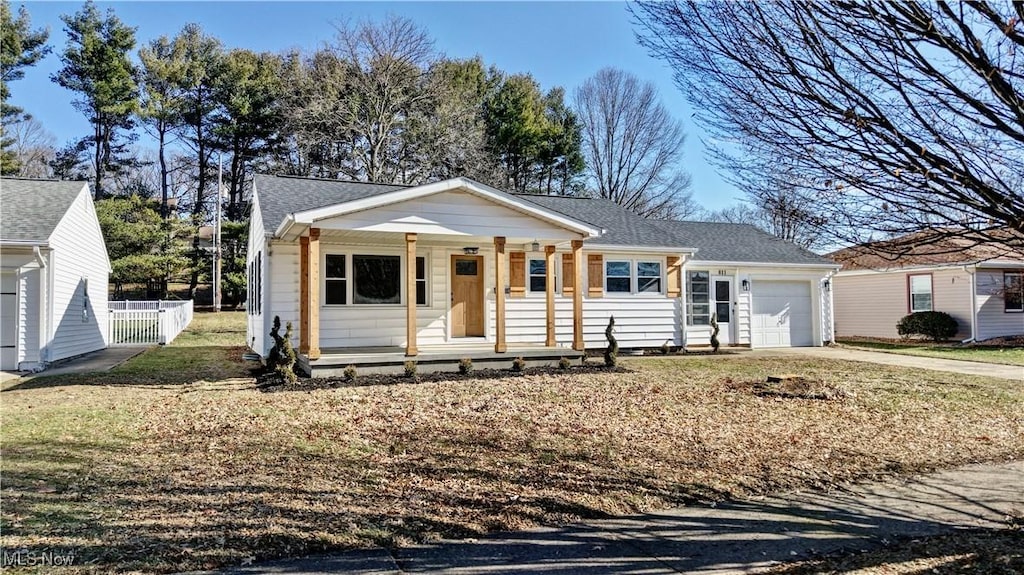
<point x="639" y="248"/>
<point x="823" y="266"/>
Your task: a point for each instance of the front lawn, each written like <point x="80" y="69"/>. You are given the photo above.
<point x="209" y="472"/>
<point x="987" y="354"/>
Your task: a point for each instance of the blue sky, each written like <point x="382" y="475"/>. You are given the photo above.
<point x="561" y="44"/>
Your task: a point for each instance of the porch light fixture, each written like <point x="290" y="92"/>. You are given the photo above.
<point x="470" y="251"/>
<point x="745" y="284"/>
<point x="827" y="285"/>
<point x="535" y="246"/>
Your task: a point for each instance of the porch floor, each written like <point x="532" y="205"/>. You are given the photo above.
<point x="431" y="358"/>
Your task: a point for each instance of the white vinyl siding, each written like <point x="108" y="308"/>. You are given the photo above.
<point x="80" y="276"/>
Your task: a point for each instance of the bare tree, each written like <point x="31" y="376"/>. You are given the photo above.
<point x="632" y="145"/>
<point x="785" y="214"/>
<point x="32" y="146"/>
<point x="386" y="63"/>
<point x="898" y="116"/>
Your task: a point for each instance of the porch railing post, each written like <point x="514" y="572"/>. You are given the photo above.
<point x="549" y="293"/>
<point x="577" y="295"/>
<point x="499" y="295"/>
<point x="410" y="295"/>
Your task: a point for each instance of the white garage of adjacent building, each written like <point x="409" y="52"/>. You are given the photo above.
<point x="53" y="273"/>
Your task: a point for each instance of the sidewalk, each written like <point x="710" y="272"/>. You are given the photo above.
<point x="735" y="537"/>
<point x="949" y="365"/>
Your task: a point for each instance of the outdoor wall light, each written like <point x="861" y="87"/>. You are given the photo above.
<point x="535" y="246"/>
<point x="745" y="284"/>
<point x="470" y="251"/>
<point x="827" y="285"/>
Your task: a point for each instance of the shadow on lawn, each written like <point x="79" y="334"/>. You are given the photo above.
<point x="158" y="367"/>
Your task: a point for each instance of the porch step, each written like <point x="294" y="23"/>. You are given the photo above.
<point x="432" y="361"/>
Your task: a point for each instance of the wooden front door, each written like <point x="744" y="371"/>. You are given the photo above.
<point x="467" y="296"/>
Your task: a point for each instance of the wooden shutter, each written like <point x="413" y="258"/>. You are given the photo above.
<point x="517" y="274"/>
<point x="595" y="275"/>
<point x="674" y="273"/>
<point x="568" y="277"/>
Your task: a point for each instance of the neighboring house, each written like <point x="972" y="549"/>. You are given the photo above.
<point x="54" y="270"/>
<point x="357" y="265"/>
<point x="978" y="284"/>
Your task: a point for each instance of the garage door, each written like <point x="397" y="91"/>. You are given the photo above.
<point x="782" y="314"/>
<point x="8" y="321"/>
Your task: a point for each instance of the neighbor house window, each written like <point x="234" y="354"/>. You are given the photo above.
<point x="920" y="293"/>
<point x="421" y="280"/>
<point x="376" y="279"/>
<point x="1013" y="298"/>
<point x="648" y="277"/>
<point x="698" y="300"/>
<point x="337" y="280"/>
<point x="538" y="275"/>
<point x="617" y="277"/>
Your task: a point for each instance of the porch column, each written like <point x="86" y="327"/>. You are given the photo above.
<point x="577" y="295"/>
<point x="304" y="295"/>
<point x="313" y="293"/>
<point x="549" y="293"/>
<point x="499" y="295"/>
<point x="410" y="295"/>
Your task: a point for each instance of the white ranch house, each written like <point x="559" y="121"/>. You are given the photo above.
<point x="380" y="272"/>
<point x="53" y="273"/>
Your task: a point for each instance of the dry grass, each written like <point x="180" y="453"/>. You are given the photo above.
<point x="198" y="475"/>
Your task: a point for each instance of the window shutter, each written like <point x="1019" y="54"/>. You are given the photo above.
<point x="517" y="274"/>
<point x="595" y="275"/>
<point x="674" y="273"/>
<point x="568" y="277"/>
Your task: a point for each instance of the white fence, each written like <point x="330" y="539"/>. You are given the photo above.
<point x="147" y="322"/>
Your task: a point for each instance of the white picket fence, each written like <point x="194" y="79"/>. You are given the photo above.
<point x="147" y="322"/>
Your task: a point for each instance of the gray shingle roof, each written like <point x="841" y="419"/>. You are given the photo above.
<point x="31" y="209"/>
<point x="622" y="227"/>
<point x="280" y="196"/>
<point x="721" y="242"/>
<point x="283" y="195"/>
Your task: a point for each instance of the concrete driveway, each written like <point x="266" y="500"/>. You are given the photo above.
<point x="97" y="361"/>
<point x="1015" y="372"/>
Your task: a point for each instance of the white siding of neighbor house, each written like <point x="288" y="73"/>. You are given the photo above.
<point x="869" y="304"/>
<point x="79" y="259"/>
<point x="30" y="306"/>
<point x="257" y="330"/>
<point x="993" y="319"/>
<point x="448" y="213"/>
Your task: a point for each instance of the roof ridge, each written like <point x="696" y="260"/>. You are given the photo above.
<point x="25" y="179"/>
<point x="332" y="180"/>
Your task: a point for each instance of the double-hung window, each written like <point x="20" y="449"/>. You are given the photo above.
<point x="538" y="269"/>
<point x="1013" y="291"/>
<point x="698" y="298"/>
<point x="421" y="280"/>
<point x="648" y="277"/>
<point x="920" y="293"/>
<point x="617" y="278"/>
<point x="336" y="277"/>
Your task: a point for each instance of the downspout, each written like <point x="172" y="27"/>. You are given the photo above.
<point x="974" y="303"/>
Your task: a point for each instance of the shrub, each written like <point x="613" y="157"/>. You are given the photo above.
<point x="410" y="368"/>
<point x="281" y="359"/>
<point x="465" y="365"/>
<point x="350" y="373"/>
<point x="518" y="364"/>
<point x="611" y="353"/>
<point x="564" y="363"/>
<point x="714" y="333"/>
<point x="936" y="325"/>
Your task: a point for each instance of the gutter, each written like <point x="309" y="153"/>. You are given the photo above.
<point x="641" y="249"/>
<point x="833" y="267"/>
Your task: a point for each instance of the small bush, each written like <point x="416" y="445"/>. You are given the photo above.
<point x="465" y="365"/>
<point x="281" y="359"/>
<point x="611" y="353"/>
<point x="410" y="368"/>
<point x="936" y="325"/>
<point x="666" y="348"/>
<point x="518" y="364"/>
<point x="564" y="363"/>
<point x="350" y="373"/>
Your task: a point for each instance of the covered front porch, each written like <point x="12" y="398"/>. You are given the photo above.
<point x="431" y="358"/>
<point x="426" y="278"/>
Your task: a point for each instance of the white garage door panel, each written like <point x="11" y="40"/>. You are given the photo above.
<point x="8" y="321"/>
<point x="782" y="315"/>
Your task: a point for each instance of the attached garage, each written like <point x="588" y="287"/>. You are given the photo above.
<point x="782" y="314"/>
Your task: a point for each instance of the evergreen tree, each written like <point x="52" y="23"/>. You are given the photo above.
<point x="97" y="67"/>
<point x="20" y="47"/>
